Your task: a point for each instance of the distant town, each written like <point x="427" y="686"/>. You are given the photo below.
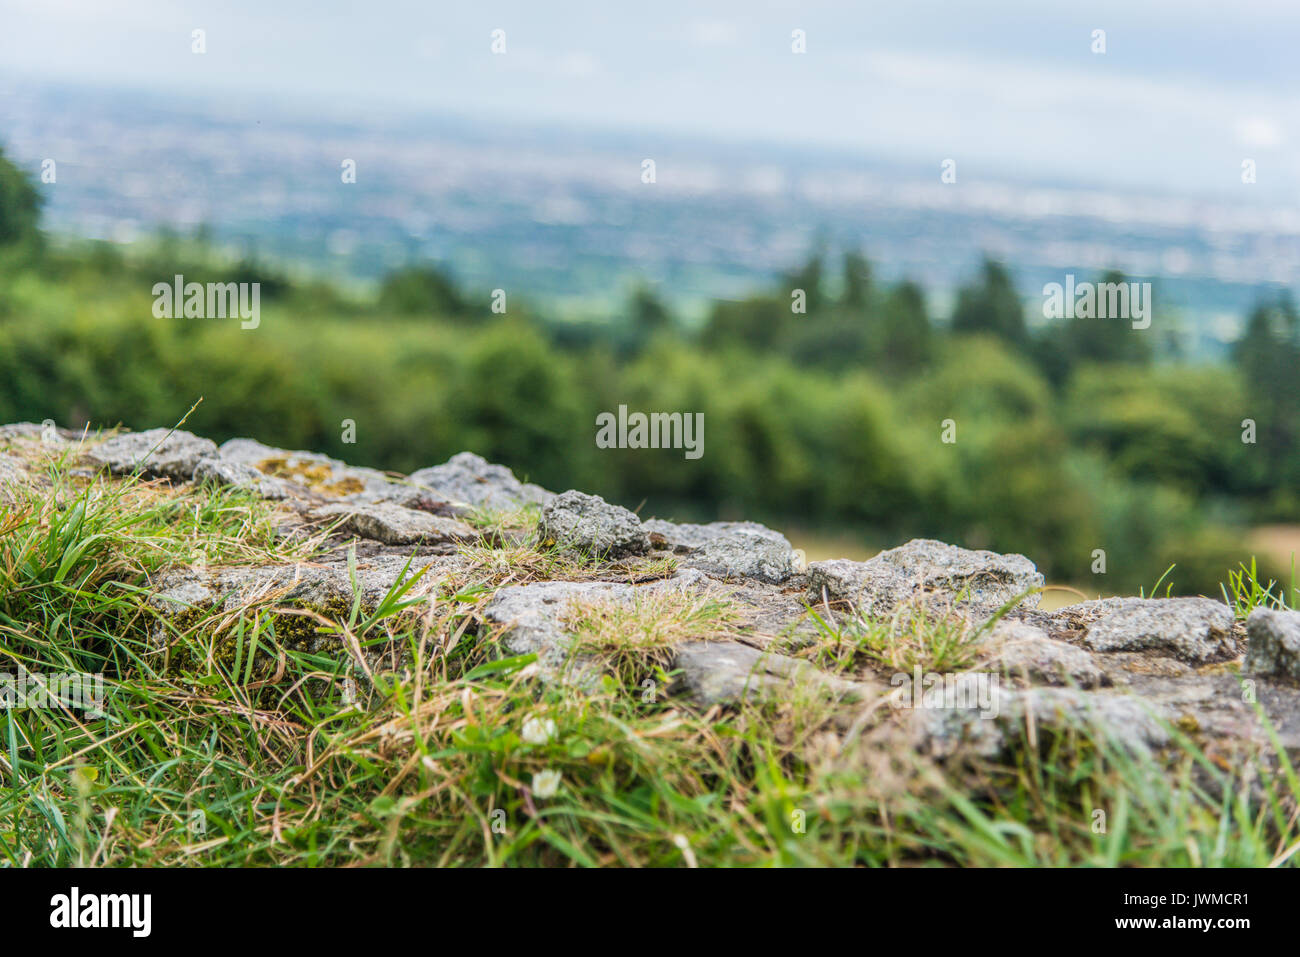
<point x="572" y="222"/>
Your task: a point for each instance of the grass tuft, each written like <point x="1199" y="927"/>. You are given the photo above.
<point x="635" y="640"/>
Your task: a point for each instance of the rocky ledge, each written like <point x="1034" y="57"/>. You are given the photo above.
<point x="1140" y="669"/>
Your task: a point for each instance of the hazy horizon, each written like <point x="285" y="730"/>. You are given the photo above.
<point x="1009" y="90"/>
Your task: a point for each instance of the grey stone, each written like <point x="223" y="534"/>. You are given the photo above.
<point x="531" y="621"/>
<point x="1195" y="629"/>
<point x="945" y="732"/>
<point x="409" y="496"/>
<point x="719" y="672"/>
<point x="1153" y="653"/>
<point x="181" y="594"/>
<point x="1273" y="646"/>
<point x="984" y="580"/>
<point x="1126" y="721"/>
<point x="728" y="672"/>
<point x="12" y="477"/>
<point x="37" y="432"/>
<point x="1026" y="651"/>
<point x="396" y="525"/>
<point x="712" y="671"/>
<point x="728" y="549"/>
<point x="175" y="457"/>
<point x="24" y="430"/>
<point x="771" y="613"/>
<point x="684" y="537"/>
<point x="293" y="593"/>
<point x="1082" y="614"/>
<point x="319" y="585"/>
<point x="238" y="475"/>
<point x="589" y="524"/>
<point x="531" y="616"/>
<point x="472" y="480"/>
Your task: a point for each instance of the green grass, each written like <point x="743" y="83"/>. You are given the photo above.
<point x="634" y="641"/>
<point x="920" y="633"/>
<point x="211" y="761"/>
<point x="1245" y="591"/>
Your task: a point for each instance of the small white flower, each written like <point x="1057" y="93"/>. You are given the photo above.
<point x="546" y="784"/>
<point x="538" y="730"/>
<point x="685" y="847"/>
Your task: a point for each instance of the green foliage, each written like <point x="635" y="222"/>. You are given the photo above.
<point x="858" y="291"/>
<point x="1179" y="426"/>
<point x="1268" y="355"/>
<point x="1064" y="345"/>
<point x="906" y="342"/>
<point x="648" y="314"/>
<point x="515" y="401"/>
<point x="830" y="418"/>
<point x="992" y="307"/>
<point x="20" y="205"/>
<point x="420" y="291"/>
<point x="759" y="323"/>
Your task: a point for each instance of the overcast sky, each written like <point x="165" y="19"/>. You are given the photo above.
<point x="1185" y="91"/>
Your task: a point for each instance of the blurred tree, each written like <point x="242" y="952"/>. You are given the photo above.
<point x="992" y="306"/>
<point x="1143" y="461"/>
<point x="833" y="340"/>
<point x="1065" y="344"/>
<point x="759" y="322"/>
<point x="906" y="338"/>
<point x="649" y="316"/>
<point x="808" y="277"/>
<point x="1268" y="355"/>
<point x="272" y="283"/>
<point x="977" y="377"/>
<point x="516" y="402"/>
<point x="857" y="281"/>
<point x="420" y="290"/>
<point x="1176" y="425"/>
<point x="20" y="205"/>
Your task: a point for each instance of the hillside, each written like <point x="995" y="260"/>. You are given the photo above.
<point x="304" y="661"/>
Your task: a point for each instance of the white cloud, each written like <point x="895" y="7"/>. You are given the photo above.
<point x="713" y="33"/>
<point x="1258" y="132"/>
<point x="580" y="65"/>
